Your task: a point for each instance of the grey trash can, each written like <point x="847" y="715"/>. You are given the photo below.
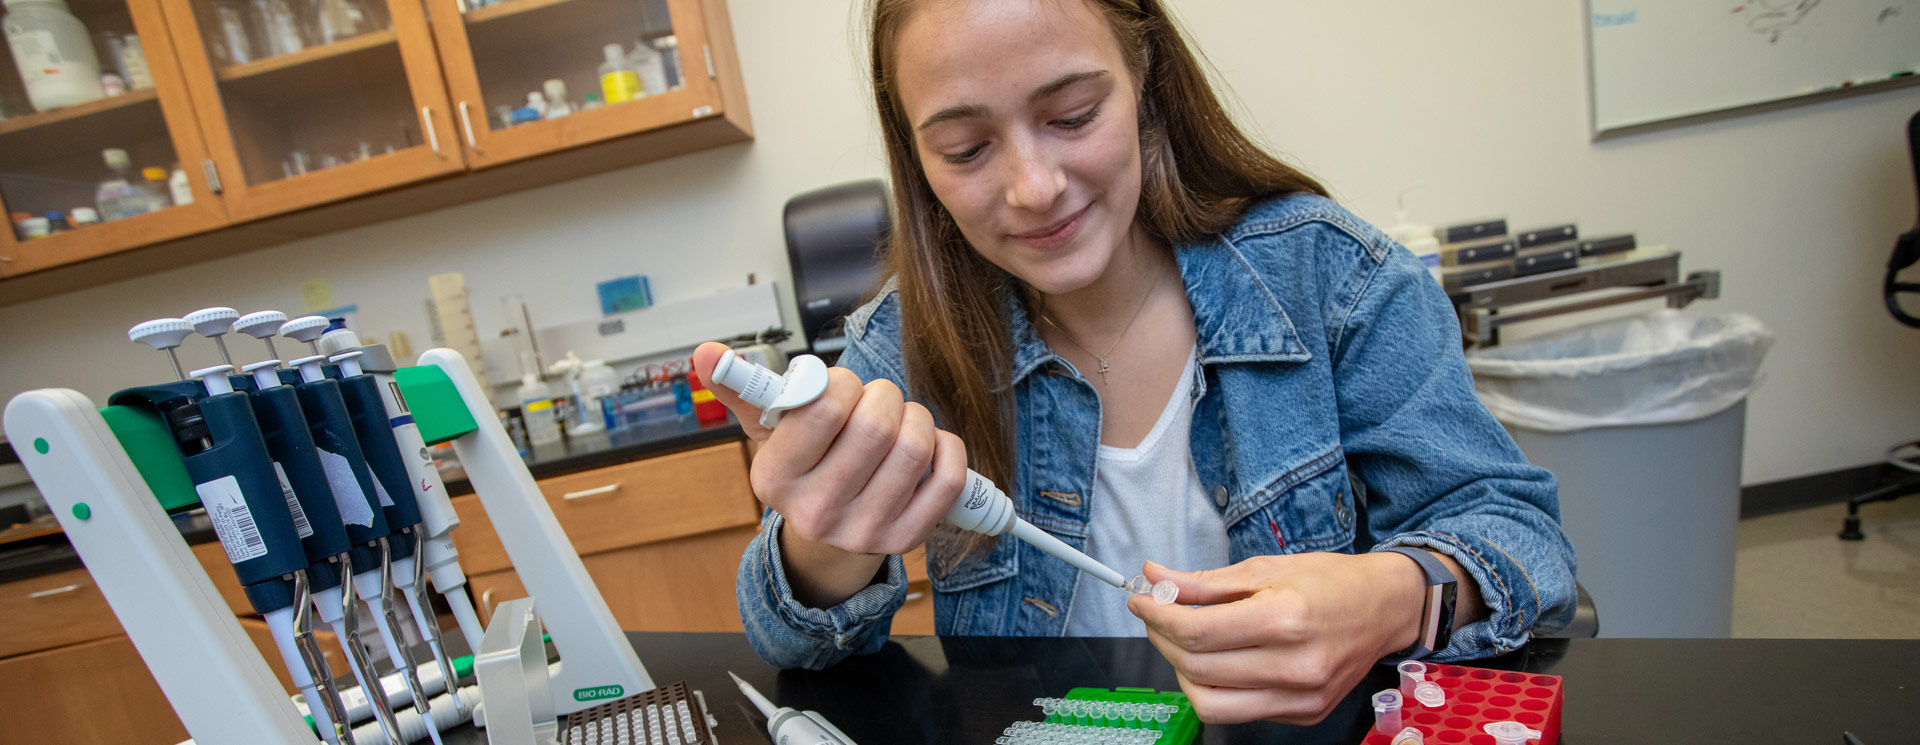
<point x="1642" y="420"/>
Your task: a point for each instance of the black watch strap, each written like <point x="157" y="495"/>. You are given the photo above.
<point x="1436" y="620"/>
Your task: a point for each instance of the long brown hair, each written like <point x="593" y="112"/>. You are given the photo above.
<point x="1199" y="173"/>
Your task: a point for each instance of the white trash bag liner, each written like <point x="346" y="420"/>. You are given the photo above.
<point x="1659" y="368"/>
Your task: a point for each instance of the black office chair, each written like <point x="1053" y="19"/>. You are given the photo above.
<point x="1906" y="250"/>
<point x="834" y="235"/>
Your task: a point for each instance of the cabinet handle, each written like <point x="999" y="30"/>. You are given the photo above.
<point x="486" y="601"/>
<point x="426" y="124"/>
<point x="54" y="591"/>
<point x="594" y="492"/>
<point x="466" y="122"/>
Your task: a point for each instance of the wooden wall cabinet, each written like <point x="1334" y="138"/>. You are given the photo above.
<point x="52" y="161"/>
<point x="358" y="114"/>
<point x="405" y="112"/>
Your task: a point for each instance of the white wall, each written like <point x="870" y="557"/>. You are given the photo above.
<point x="1797" y="208"/>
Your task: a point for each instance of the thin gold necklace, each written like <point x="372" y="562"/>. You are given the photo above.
<point x="1103" y="358"/>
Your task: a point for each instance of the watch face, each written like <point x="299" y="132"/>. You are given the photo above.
<point x="1444" y="632"/>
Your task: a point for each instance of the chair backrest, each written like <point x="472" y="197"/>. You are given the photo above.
<point x="1906" y="248"/>
<point x="834" y="235"/>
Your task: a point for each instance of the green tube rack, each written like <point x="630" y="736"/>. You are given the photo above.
<point x="1182" y="728"/>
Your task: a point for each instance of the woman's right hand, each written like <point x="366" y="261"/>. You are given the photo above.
<point x="858" y="474"/>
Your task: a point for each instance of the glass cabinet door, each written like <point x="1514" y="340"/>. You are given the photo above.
<point x="534" y="76"/>
<point x="309" y="101"/>
<point x="98" y="147"/>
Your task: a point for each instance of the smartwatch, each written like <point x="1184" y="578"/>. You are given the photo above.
<point x="1436" y="621"/>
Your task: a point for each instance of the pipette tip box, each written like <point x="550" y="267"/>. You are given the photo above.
<point x="1477" y="697"/>
<point x="668" y="715"/>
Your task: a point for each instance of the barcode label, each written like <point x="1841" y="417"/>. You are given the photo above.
<point x="293" y="504"/>
<point x="232" y="521"/>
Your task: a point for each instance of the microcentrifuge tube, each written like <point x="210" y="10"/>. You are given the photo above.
<point x="1165" y="592"/>
<point x="1411" y="673"/>
<point x="1510" y="733"/>
<point x="1138" y="585"/>
<point x="1429" y="694"/>
<point x="1386" y="712"/>
<point x="1409" y="736"/>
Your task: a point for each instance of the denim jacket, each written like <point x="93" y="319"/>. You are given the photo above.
<point x="1333" y="411"/>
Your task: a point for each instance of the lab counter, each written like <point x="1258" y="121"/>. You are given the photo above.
<point x="932" y="691"/>
<point x="573" y="455"/>
<point x="36" y="549"/>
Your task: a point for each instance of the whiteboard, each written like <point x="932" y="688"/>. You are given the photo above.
<point x="1655" y="60"/>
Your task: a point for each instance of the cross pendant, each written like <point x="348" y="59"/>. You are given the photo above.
<point x="1103" y="369"/>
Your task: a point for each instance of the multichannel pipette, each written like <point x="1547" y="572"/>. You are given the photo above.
<point x="364" y="397"/>
<point x="982" y="508"/>
<point x="789" y="727"/>
<point x="361" y="511"/>
<point x="373" y="551"/>
<point x="438" y="559"/>
<point x="283" y="427"/>
<point x="251" y="506"/>
<point x="344" y="521"/>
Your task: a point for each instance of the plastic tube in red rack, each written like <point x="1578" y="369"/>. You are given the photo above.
<point x="1386" y="712"/>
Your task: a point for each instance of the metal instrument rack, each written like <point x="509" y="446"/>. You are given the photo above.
<point x="1483" y="309"/>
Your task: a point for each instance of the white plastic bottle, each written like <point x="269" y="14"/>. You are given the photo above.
<point x="597" y="382"/>
<point x="650" y="68"/>
<point x="558" y="105"/>
<point x="117" y="197"/>
<point x="279" y="25"/>
<point x="133" y="59"/>
<point x="54" y="53"/>
<point x="179" y="187"/>
<point x="618" y="82"/>
<point x="536" y="409"/>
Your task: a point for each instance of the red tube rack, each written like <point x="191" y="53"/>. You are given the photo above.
<point x="1477" y="697"/>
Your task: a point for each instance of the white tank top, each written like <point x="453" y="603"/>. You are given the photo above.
<point x="1147" y="504"/>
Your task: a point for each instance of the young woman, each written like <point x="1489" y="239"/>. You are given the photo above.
<point x="1173" y="352"/>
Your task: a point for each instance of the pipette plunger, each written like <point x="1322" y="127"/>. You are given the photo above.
<point x="263" y="326"/>
<point x="164" y="334"/>
<point x="213" y="323"/>
<point x="307" y="329"/>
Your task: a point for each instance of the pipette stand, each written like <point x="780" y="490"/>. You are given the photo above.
<point x="184" y="631"/>
<point x="188" y="636"/>
<point x="596" y="662"/>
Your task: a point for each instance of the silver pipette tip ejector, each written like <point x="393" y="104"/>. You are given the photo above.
<point x="263" y="326"/>
<point x="213" y="323"/>
<point x="164" y="334"/>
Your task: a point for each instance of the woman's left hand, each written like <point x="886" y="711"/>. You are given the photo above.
<point x="1282" y="638"/>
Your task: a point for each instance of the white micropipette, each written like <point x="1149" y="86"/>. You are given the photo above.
<point x="982" y="508"/>
<point x="785" y="725"/>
